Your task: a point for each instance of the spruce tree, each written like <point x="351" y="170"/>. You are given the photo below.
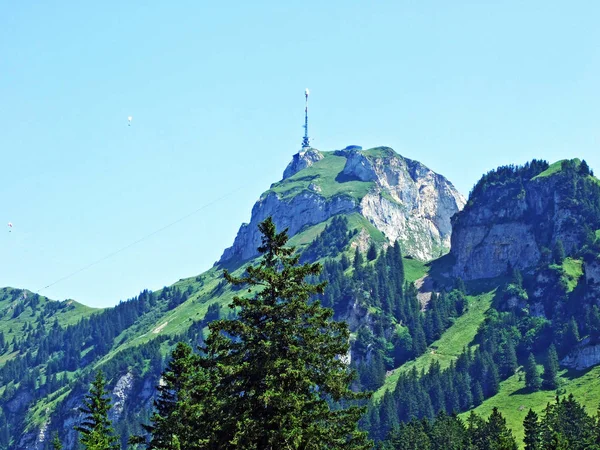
<point x="550" y="377"/>
<point x="358" y="263"/>
<point x="477" y="394"/>
<point x="95" y="430"/>
<point x="477" y="432"/>
<point x="570" y="335"/>
<point x="448" y="433"/>
<point x="558" y="252"/>
<point x="4" y="430"/>
<point x="498" y="435"/>
<point x="532" y="377"/>
<point x="596" y="430"/>
<point x="56" y="444"/>
<point x="185" y="400"/>
<point x="372" y="252"/>
<point x="410" y="436"/>
<point x="533" y="437"/>
<point x="509" y="359"/>
<point x="557" y="443"/>
<point x="282" y="372"/>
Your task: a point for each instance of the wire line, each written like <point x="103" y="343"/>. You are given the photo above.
<point x="122" y="249"/>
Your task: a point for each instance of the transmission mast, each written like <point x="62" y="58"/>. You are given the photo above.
<point x="306" y="140"/>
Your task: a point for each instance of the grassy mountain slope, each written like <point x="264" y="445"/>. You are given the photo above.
<point x="514" y="399"/>
<point x="20" y="309"/>
<point x="324" y="175"/>
<point x="446" y="349"/>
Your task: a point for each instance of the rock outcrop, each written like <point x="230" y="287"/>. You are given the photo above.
<point x="302" y="160"/>
<point x="583" y="357"/>
<point x="120" y="394"/>
<point x="307" y="208"/>
<point x="402" y="198"/>
<point x="511" y="224"/>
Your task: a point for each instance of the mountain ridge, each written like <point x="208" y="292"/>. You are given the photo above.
<point x="380" y="184"/>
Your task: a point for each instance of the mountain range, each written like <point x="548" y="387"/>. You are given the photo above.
<point x="442" y="295"/>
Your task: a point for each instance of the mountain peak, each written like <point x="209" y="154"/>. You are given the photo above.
<point x="401" y="198"/>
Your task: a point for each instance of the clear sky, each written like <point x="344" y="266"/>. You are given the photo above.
<point x="216" y="94"/>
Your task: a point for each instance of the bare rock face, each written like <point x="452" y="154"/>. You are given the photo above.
<point x="307" y="208"/>
<point x="583" y="357"/>
<point x="510" y="224"/>
<point x="592" y="273"/>
<point x="406" y="201"/>
<point x="410" y="203"/>
<point x="120" y="394"/>
<point x="302" y="160"/>
<point x="19" y="402"/>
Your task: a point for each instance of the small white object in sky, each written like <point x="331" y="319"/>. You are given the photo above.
<point x="10" y="226"/>
<point x="129" y="119"/>
<point x="306" y="92"/>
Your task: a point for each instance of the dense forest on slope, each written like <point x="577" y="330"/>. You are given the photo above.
<point x="547" y="314"/>
<point x="563" y="424"/>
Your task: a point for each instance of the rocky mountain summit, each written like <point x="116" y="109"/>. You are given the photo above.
<point x="401" y="198"/>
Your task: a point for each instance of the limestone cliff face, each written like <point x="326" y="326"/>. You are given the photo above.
<point x="586" y="355"/>
<point x="511" y="223"/>
<point x="402" y="198"/>
<point x="409" y="203"/>
<point x="307" y="208"/>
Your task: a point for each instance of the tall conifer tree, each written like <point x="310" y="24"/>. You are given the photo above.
<point x="95" y="430"/>
<point x="533" y="437"/>
<point x="282" y="361"/>
<point x="532" y="377"/>
<point x="550" y="377"/>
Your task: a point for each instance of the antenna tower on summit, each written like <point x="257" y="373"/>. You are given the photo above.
<point x="306" y="140"/>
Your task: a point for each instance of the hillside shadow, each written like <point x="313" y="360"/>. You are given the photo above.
<point x="572" y="374"/>
<point x="440" y="271"/>
<point x="477" y="287"/>
<point x="523" y="391"/>
<point x="345" y="178"/>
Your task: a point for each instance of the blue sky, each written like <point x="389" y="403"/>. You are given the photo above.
<point x="216" y="94"/>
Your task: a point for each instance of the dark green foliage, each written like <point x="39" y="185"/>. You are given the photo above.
<point x="213" y="312"/>
<point x="448" y="432"/>
<point x="584" y="169"/>
<point x="331" y="242"/>
<point x="95" y="429"/>
<point x="532" y="377"/>
<point x="372" y="252"/>
<point x="358" y="260"/>
<point x="550" y="376"/>
<point x="498" y="435"/>
<point x="570" y="335"/>
<point x="4" y="431"/>
<point x="269" y="379"/>
<point x="409" y="436"/>
<point x="282" y="396"/>
<point x="185" y="405"/>
<point x="461" y="386"/>
<point x="565" y="424"/>
<point x="558" y="252"/>
<point x="506" y="175"/>
<point x="56" y="444"/>
<point x="533" y="432"/>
